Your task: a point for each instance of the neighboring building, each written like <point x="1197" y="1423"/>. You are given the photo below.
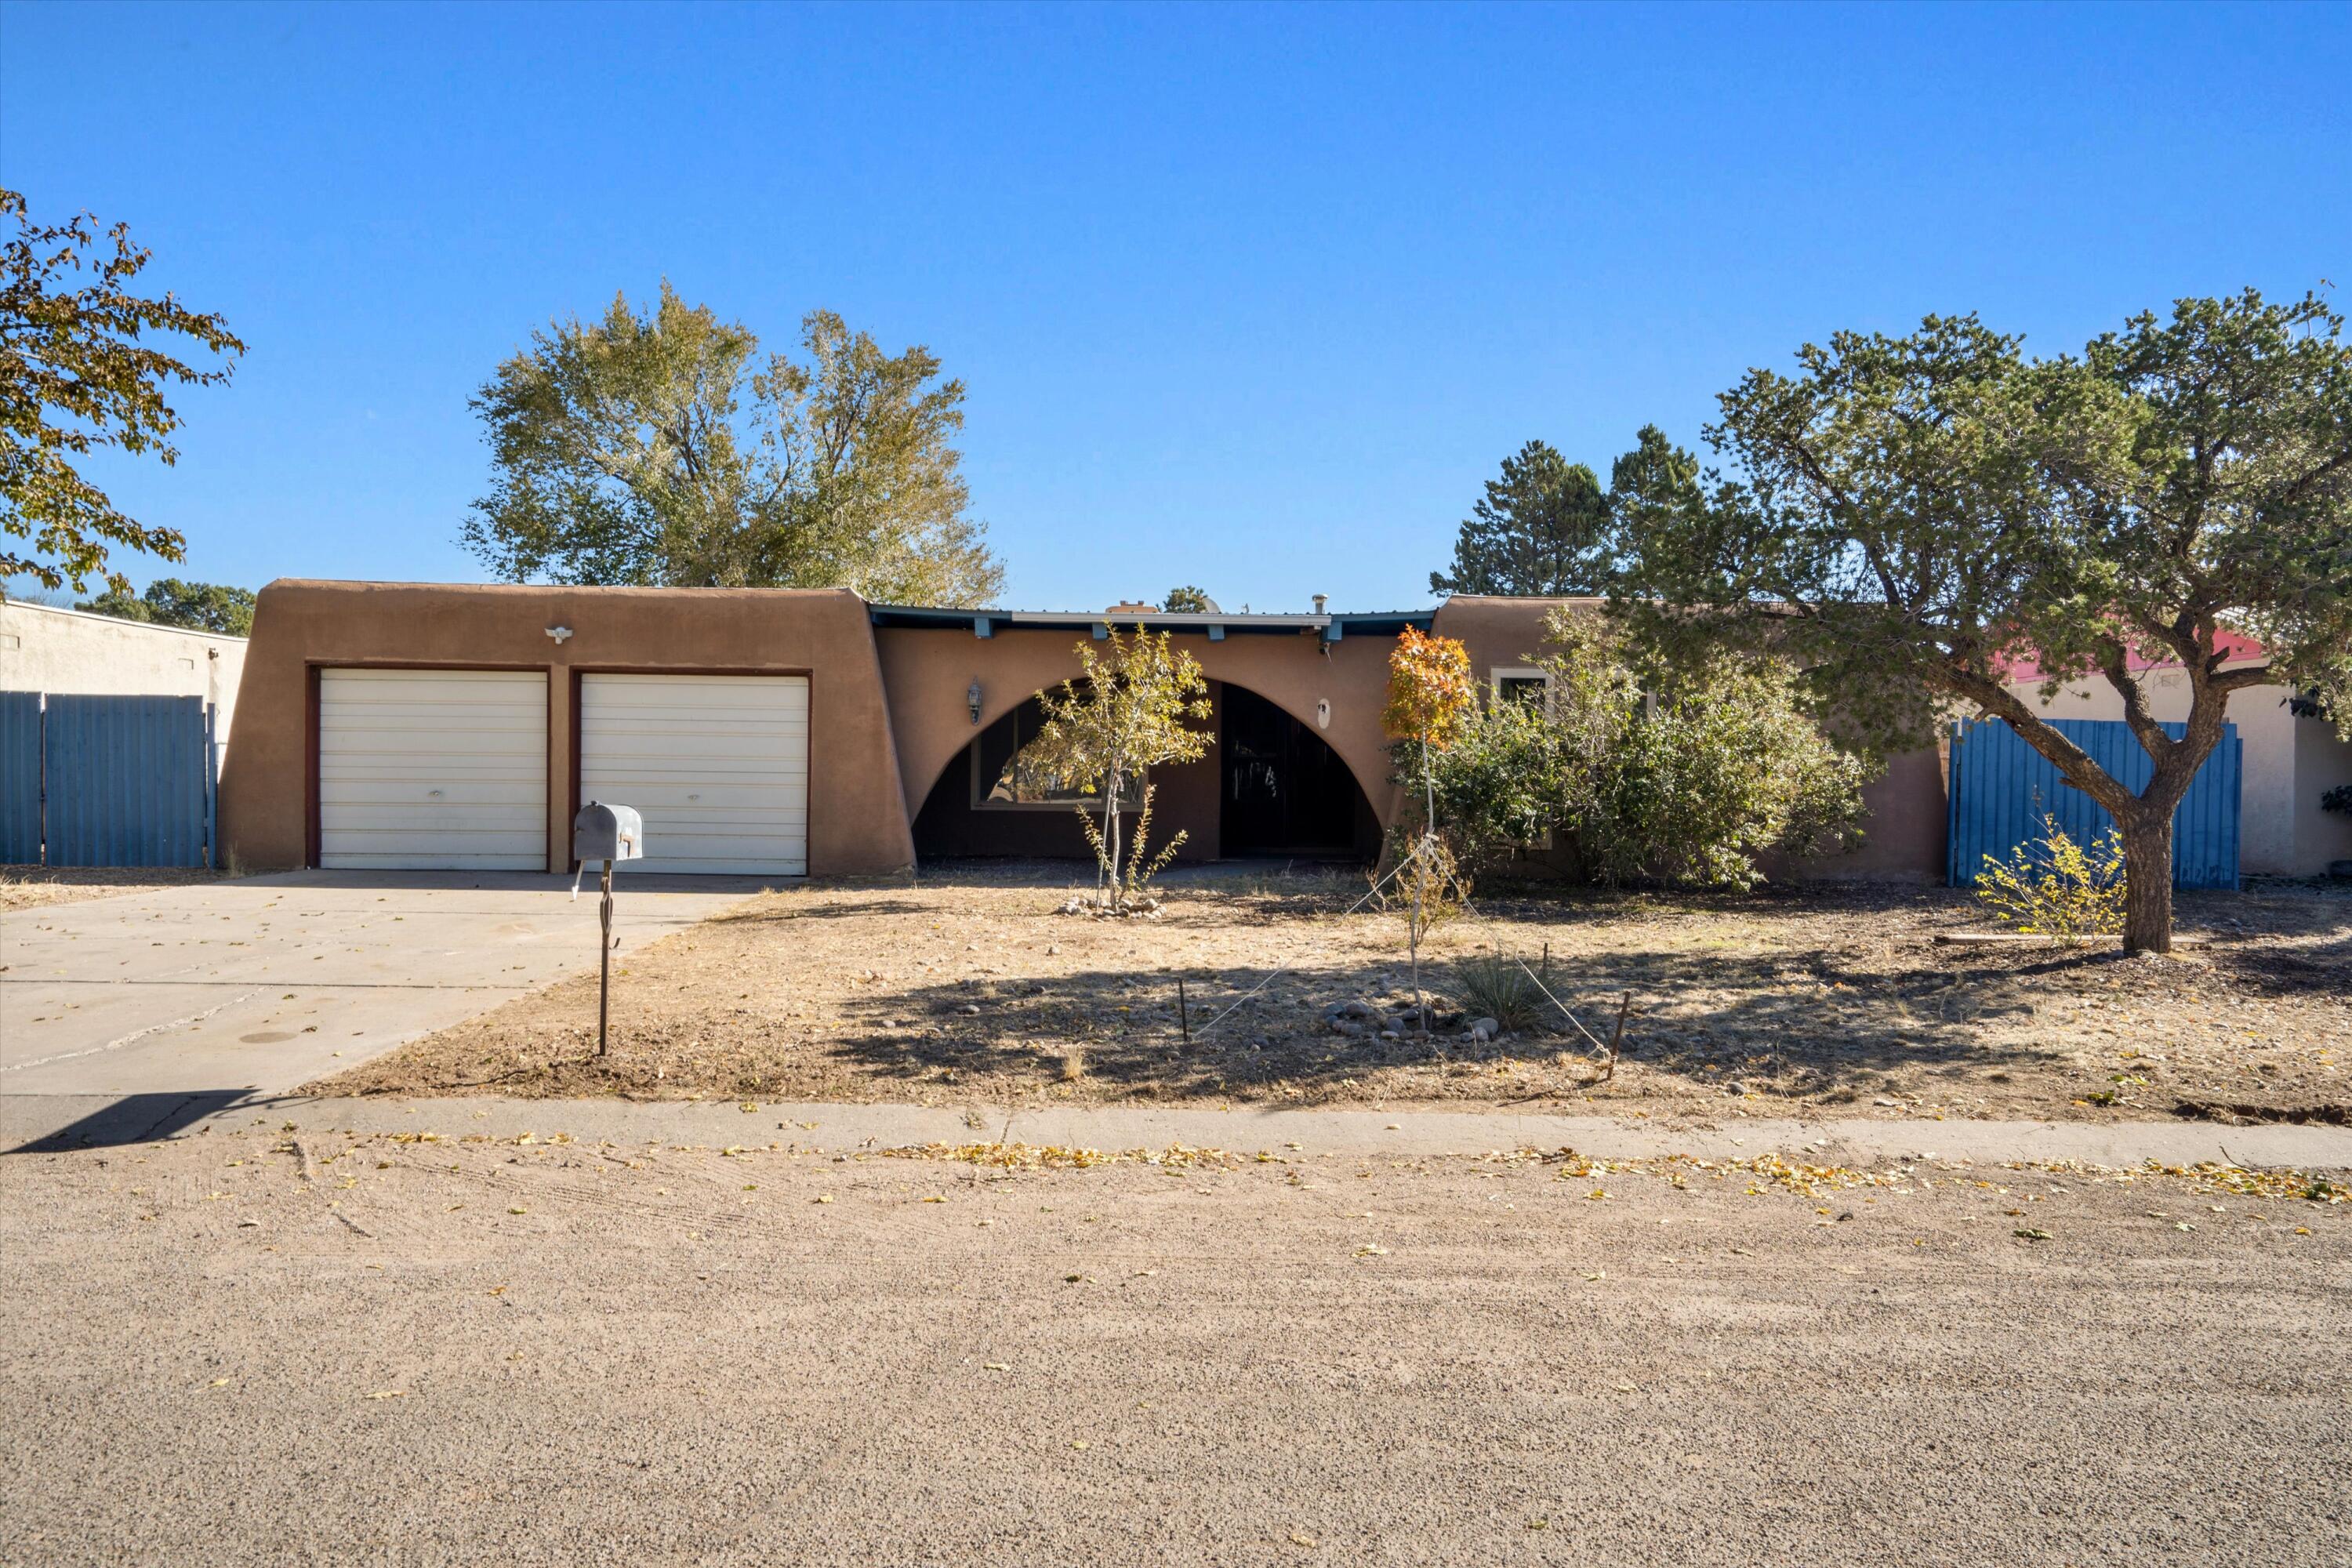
<point x="780" y="732"/>
<point x="2288" y="760"/>
<point x="44" y="648"/>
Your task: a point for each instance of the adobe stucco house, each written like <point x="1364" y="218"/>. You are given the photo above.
<point x="783" y="732"/>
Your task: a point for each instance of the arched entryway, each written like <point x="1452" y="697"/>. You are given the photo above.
<point x="1270" y="786"/>
<point x="1283" y="791"/>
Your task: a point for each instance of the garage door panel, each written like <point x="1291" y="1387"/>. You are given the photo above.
<point x="726" y="793"/>
<point x="408" y="779"/>
<point x="417" y="816"/>
<point x="431" y="770"/>
<point x="716" y="764"/>
<point x="371" y="736"/>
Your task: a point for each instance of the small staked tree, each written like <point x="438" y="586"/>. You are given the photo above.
<point x="80" y="370"/>
<point x="1131" y="706"/>
<point x="1542" y="528"/>
<point x="1912" y="518"/>
<point x="1432" y="693"/>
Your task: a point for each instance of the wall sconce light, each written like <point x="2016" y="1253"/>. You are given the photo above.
<point x="1323" y="713"/>
<point x="971" y="698"/>
<point x="559" y="634"/>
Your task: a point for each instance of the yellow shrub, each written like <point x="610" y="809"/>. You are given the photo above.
<point x="2053" y="887"/>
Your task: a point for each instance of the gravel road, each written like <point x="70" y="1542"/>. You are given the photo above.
<point x="264" y="1347"/>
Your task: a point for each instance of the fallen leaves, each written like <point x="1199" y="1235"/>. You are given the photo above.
<point x="1018" y="1156"/>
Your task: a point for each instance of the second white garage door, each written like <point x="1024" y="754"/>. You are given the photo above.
<point x="717" y="764"/>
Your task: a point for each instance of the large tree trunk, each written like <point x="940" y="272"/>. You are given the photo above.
<point x="2147" y="883"/>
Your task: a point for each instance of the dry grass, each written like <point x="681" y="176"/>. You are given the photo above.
<point x="33" y="887"/>
<point x="971" y="990"/>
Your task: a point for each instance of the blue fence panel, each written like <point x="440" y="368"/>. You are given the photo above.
<point x="2000" y="789"/>
<point x="20" y="778"/>
<point x="127" y="781"/>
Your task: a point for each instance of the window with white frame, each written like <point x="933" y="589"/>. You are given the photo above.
<point x="1522" y="683"/>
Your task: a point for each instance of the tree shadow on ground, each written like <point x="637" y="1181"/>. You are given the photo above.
<point x="771" y="914"/>
<point x="1798" y="1022"/>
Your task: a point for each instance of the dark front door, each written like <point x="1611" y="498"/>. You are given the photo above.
<point x="1286" y="791"/>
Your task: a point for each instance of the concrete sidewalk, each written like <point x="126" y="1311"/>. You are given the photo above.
<point x="200" y="996"/>
<point x="842" y="1129"/>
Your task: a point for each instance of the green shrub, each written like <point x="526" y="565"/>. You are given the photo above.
<point x="1640" y="769"/>
<point x="2053" y="887"/>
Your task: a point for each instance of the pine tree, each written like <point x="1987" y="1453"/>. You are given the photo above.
<point x="1542" y="529"/>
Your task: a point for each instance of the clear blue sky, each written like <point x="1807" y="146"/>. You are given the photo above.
<point x="1251" y="299"/>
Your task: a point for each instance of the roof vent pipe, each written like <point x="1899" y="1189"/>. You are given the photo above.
<point x="1321" y="600"/>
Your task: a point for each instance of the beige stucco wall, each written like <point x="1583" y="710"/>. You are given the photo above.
<point x="43" y="648"/>
<point x="2287" y="763"/>
<point x="855" y="822"/>
<point x="928" y="673"/>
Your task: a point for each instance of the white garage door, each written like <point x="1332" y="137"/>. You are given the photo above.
<point x="432" y="769"/>
<point x="718" y="765"/>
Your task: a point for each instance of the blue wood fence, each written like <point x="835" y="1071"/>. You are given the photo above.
<point x="106" y="781"/>
<point x="2000" y="789"/>
<point x="20" y="778"/>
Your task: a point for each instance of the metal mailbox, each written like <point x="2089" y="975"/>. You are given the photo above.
<point x="608" y="833"/>
<point x="602" y="832"/>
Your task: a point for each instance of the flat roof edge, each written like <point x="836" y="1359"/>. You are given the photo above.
<point x="926" y="617"/>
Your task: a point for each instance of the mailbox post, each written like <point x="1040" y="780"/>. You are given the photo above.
<point x="606" y="832"/>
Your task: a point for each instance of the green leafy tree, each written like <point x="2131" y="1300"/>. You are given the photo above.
<point x="1907" y="517"/>
<point x="661" y="448"/>
<point x="1132" y="707"/>
<point x="78" y="375"/>
<point x="1187" y="601"/>
<point x="171" y="602"/>
<point x="1542" y="528"/>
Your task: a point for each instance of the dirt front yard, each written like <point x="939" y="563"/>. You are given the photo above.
<point x="972" y="989"/>
<point x="34" y="887"/>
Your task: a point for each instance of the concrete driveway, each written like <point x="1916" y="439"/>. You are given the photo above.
<point x="158" y="1008"/>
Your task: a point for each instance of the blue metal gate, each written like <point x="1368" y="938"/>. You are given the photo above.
<point x="106" y="781"/>
<point x="2000" y="789"/>
<point x="20" y="778"/>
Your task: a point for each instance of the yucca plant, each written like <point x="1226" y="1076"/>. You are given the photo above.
<point x="1496" y="986"/>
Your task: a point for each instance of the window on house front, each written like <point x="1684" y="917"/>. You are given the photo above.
<point x="1007" y="775"/>
<point x="1525" y="686"/>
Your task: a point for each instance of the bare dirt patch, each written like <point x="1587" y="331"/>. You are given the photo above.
<point x="36" y="886"/>
<point x="969" y="989"/>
